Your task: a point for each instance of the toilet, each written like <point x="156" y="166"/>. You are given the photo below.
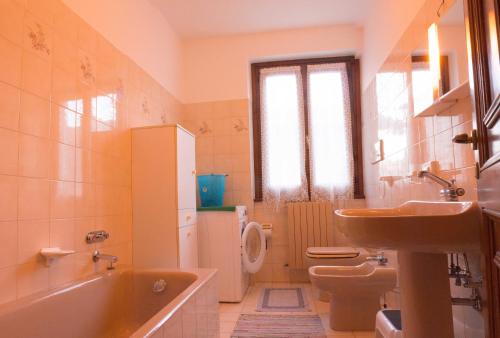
<point x="354" y="291"/>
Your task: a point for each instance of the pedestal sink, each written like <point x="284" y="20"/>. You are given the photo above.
<point x="422" y="232"/>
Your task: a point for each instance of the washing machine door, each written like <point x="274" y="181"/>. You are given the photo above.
<point x="253" y="247"/>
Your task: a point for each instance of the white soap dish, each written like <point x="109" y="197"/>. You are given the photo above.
<point x="50" y="254"/>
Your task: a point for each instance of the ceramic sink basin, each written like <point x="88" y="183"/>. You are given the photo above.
<point x="434" y="227"/>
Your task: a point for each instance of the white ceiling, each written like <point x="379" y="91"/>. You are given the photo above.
<point x="202" y="18"/>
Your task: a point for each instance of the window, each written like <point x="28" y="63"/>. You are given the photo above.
<point x="307" y="129"/>
<point x="421" y="81"/>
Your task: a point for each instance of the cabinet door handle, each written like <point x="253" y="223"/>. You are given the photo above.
<point x="188" y="234"/>
<point x="188" y="217"/>
<point x="193" y="172"/>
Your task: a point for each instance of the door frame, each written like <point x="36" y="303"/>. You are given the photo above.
<point x="486" y="114"/>
<point x="480" y="81"/>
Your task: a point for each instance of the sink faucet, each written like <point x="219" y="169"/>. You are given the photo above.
<point x="379" y="258"/>
<point x="97" y="256"/>
<point x="450" y="191"/>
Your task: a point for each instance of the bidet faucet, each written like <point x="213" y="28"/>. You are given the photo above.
<point x="450" y="191"/>
<point x="379" y="258"/>
<point x="97" y="256"/>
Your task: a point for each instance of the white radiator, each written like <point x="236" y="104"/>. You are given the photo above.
<point x="309" y="224"/>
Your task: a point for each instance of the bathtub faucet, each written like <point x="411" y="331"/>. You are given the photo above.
<point x="97" y="256"/>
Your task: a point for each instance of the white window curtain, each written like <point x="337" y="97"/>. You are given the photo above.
<point x="331" y="160"/>
<point x="283" y="144"/>
<point x="284" y="141"/>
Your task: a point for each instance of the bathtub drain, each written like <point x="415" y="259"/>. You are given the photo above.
<point x="159" y="285"/>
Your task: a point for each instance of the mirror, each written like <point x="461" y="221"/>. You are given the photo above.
<point x="452" y="63"/>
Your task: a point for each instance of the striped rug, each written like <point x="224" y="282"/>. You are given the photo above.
<point x="274" y="326"/>
<point x="283" y="300"/>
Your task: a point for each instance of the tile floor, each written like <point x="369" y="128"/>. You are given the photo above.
<point x="229" y="312"/>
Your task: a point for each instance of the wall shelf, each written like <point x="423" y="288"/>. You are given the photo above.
<point x="442" y="106"/>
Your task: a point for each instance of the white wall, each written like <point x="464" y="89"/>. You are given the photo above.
<point x="139" y="30"/>
<point x="217" y="69"/>
<point x="384" y="26"/>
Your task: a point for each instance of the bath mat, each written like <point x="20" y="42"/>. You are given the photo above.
<point x="269" y="326"/>
<point x="283" y="300"/>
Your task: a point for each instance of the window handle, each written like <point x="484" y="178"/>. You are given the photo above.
<point x="466" y="139"/>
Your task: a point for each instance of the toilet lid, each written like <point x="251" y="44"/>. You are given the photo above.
<point x="253" y="247"/>
<point x="332" y="252"/>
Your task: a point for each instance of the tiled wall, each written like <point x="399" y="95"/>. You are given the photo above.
<point x="412" y="142"/>
<point x="410" y="145"/>
<point x="67" y="101"/>
<point x="198" y="317"/>
<point x="223" y="145"/>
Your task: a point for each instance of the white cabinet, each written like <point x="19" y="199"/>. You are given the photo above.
<point x="186" y="170"/>
<point x="164" y="197"/>
<point x="187" y="217"/>
<point x="188" y="246"/>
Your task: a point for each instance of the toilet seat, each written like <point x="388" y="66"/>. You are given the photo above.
<point x="335" y="256"/>
<point x="332" y="252"/>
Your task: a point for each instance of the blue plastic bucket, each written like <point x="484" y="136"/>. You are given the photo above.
<point x="211" y="189"/>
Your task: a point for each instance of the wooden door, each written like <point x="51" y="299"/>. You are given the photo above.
<point x="482" y="22"/>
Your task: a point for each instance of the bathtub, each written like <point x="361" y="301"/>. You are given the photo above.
<point x="119" y="303"/>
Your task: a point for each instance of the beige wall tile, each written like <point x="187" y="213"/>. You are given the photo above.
<point x="33" y="198"/>
<point x="62" y="199"/>
<point x="35" y="116"/>
<point x="9" y="247"/>
<point x="9" y="151"/>
<point x="33" y="235"/>
<point x="67" y="103"/>
<point x="10" y="62"/>
<point x="31" y="277"/>
<point x="8" y="200"/>
<point x="11" y="21"/>
<point x="37" y="76"/>
<point x="8" y="284"/>
<point x="62" y="162"/>
<point x="10" y="100"/>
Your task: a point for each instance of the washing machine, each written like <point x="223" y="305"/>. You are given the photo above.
<point x="233" y="246"/>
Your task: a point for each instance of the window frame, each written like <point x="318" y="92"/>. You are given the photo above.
<point x="444" y="85"/>
<point x="354" y="79"/>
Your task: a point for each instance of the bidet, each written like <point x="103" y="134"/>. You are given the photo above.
<point x="423" y="233"/>
<point x="355" y="292"/>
